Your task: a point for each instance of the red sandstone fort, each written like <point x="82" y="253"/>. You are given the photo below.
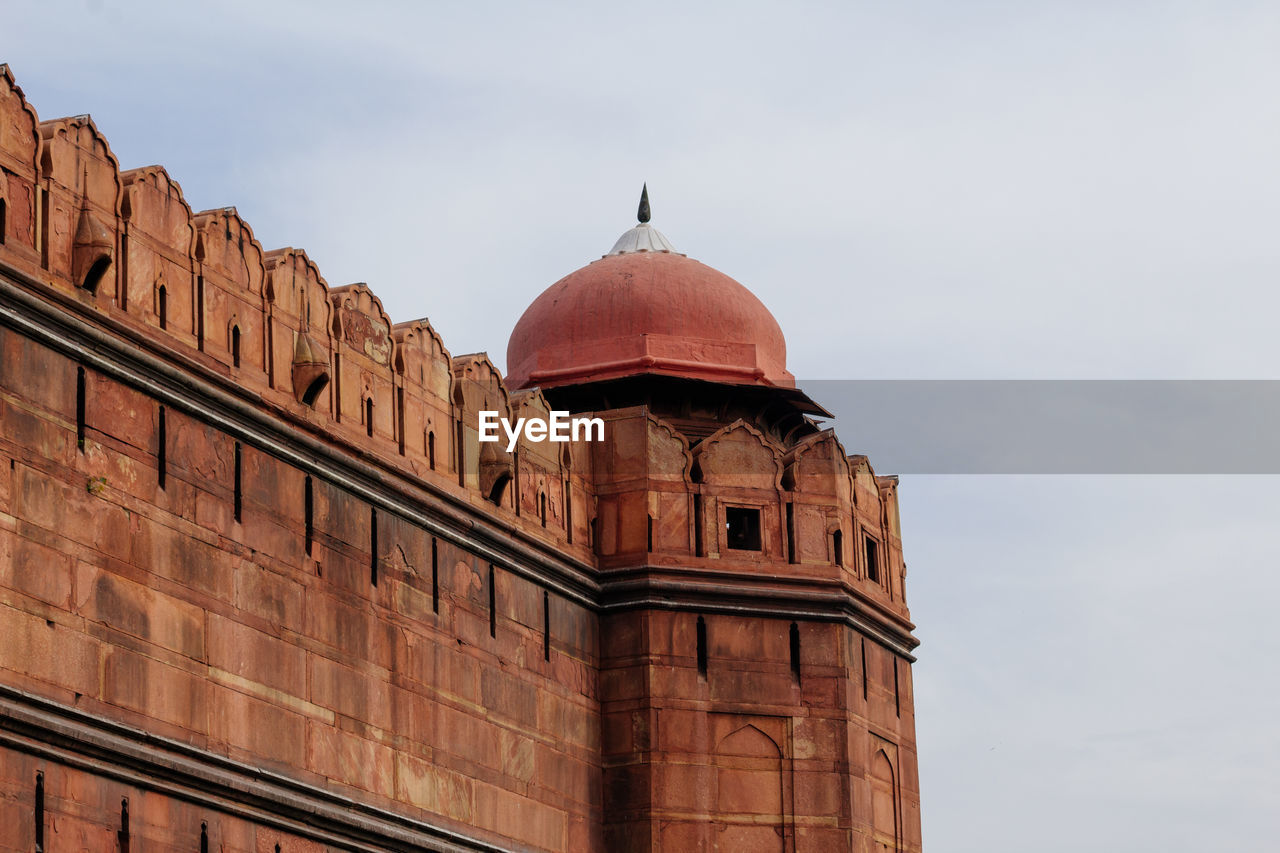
<point x="263" y="589"/>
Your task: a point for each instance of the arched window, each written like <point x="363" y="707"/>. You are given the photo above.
<point x="235" y="346"/>
<point x="431" y="449"/>
<point x="499" y="488"/>
<point x="2" y="220"/>
<point x="162" y="306"/>
<point x="368" y="416"/>
<point x="837" y="547"/>
<point x="873" y="558"/>
<point x="93" y="277"/>
<point x="542" y="507"/>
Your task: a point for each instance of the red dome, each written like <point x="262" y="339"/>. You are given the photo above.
<point x="639" y="312"/>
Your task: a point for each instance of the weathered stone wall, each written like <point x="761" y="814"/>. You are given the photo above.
<point x="257" y="572"/>
<point x="167" y="608"/>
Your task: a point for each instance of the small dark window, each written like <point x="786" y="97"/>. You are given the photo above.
<point x="204" y="837"/>
<point x="742" y="528"/>
<point x="837" y="547"/>
<point x="431" y="450"/>
<point x="162" y="306"/>
<point x="542" y="508"/>
<point x="94" y="276"/>
<point x="649" y="535"/>
<point x="873" y="559"/>
<point x="499" y="489"/>
<point x="2" y="219"/>
<point x="235" y="346"/>
<point x="368" y="416"/>
<point x="312" y="393"/>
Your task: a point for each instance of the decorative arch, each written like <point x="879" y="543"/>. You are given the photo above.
<point x="748" y="799"/>
<point x="886" y="835"/>
<point x="82" y="178"/>
<point x="740" y="455"/>
<point x="20" y="158"/>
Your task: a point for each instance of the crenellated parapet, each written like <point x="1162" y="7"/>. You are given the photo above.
<point x="200" y="286"/>
<point x="19" y="174"/>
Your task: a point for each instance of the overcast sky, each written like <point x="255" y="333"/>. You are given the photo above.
<point x="917" y="190"/>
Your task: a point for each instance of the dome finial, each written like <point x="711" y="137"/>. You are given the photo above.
<point x="643" y="213"/>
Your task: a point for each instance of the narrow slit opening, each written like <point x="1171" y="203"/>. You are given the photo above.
<point x="80" y="406"/>
<point x="39" y="813"/>
<point x="161" y="449"/>
<point x="238" y="497"/>
<point x="200" y="313"/>
<point x="546" y="625"/>
<point x="493" y="605"/>
<point x="123" y="834"/>
<point x="791" y="532"/>
<point x="864" y="668"/>
<point x="795" y="652"/>
<point x="702" y="647"/>
<point x="897" y="697"/>
<point x="307" y="507"/>
<point x="373" y="546"/>
<point x="400" y="420"/>
<point x="435" y="575"/>
<point x="698" y="548"/>
<point x="96" y="272"/>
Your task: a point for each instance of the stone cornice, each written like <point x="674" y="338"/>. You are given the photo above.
<point x="770" y="596"/>
<point x="54" y="732"/>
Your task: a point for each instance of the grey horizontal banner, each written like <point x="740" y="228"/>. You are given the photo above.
<point x="1057" y="426"/>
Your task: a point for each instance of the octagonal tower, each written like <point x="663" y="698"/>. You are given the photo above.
<point x="755" y="640"/>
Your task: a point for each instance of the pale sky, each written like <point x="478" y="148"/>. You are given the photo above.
<point x="979" y="190"/>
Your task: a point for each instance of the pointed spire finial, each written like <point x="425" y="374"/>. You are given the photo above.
<point x="643" y="213"/>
